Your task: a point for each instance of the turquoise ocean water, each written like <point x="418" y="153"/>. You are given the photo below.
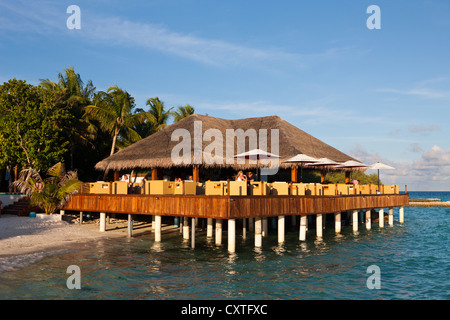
<point x="413" y="259"/>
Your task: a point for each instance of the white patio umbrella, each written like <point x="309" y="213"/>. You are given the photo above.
<point x="377" y="166"/>
<point x="301" y="159"/>
<point x="323" y="163"/>
<point x="257" y="154"/>
<point x="349" y="165"/>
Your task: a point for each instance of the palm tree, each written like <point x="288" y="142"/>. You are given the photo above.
<point x="50" y="193"/>
<point x="158" y="115"/>
<point x="183" y="112"/>
<point x="114" y="111"/>
<point x="72" y="86"/>
<point x="73" y="95"/>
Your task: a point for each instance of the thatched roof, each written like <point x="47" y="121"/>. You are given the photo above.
<point x="156" y="150"/>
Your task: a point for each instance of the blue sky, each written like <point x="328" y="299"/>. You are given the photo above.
<point x="378" y="95"/>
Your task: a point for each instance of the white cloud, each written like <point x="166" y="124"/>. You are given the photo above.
<point x="421" y="92"/>
<point x="424" y="130"/>
<point x="436" y="158"/>
<point x="431" y="171"/>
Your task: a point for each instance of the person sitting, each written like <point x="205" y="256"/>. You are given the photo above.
<point x="241" y="176"/>
<point x="251" y="176"/>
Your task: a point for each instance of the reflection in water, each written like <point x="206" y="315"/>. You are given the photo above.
<point x="333" y="267"/>
<point x="280" y="249"/>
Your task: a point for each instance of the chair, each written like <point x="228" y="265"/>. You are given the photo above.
<point x="215" y="188"/>
<point x="159" y="187"/>
<point x="99" y="187"/>
<point x="238" y="188"/>
<point x="279" y="189"/>
<point x="298" y="189"/>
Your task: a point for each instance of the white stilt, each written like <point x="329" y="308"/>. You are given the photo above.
<point x="186" y="228"/>
<point x="381" y="218"/>
<point x="337" y="222"/>
<point x="130" y="226"/>
<point x="157" y="228"/>
<point x="355" y="220"/>
<point x="265" y="229"/>
<point x="258" y="232"/>
<point x="219" y="232"/>
<point x="81" y="217"/>
<point x="231" y="235"/>
<point x="244" y="228"/>
<point x="193" y="221"/>
<point x="303" y="223"/>
<point x="391" y="217"/>
<point x="62" y="212"/>
<point x="368" y="219"/>
<point x="319" y="227"/>
<point x="280" y="229"/>
<point x="209" y="228"/>
<point x="153" y="223"/>
<point x="401" y="215"/>
<point x="102" y="222"/>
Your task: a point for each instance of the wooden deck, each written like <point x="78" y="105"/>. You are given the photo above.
<point x="230" y="207"/>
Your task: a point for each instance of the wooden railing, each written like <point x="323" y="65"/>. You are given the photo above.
<point x="229" y="207"/>
<point x="160" y="187"/>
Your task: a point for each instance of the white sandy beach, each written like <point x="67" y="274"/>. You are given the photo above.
<point x="24" y="235"/>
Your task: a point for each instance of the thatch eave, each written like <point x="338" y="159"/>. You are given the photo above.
<point x="155" y="151"/>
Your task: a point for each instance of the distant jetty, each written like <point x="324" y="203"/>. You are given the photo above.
<point x="430" y="202"/>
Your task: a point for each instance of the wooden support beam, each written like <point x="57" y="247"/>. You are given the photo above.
<point x="196" y="173"/>
<point x="154" y="174"/>
<point x="294" y="174"/>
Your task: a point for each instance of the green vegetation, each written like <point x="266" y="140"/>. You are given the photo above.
<point x="69" y="121"/>
<point x="363" y="178"/>
<point x="52" y="192"/>
<point x="313" y="176"/>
